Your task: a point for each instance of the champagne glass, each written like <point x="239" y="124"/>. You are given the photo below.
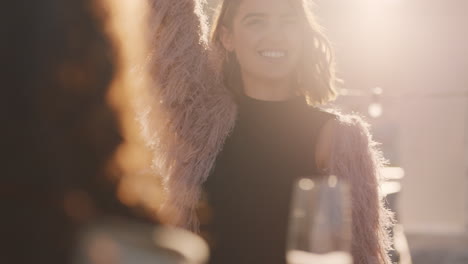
<point x="319" y="229"/>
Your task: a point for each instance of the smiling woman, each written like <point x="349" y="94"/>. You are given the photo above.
<point x="233" y="122"/>
<point x="267" y="44"/>
<point x="281" y="45"/>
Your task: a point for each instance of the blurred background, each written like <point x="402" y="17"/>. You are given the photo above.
<point x="68" y="70"/>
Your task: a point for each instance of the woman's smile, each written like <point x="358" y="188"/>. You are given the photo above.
<point x="273" y="53"/>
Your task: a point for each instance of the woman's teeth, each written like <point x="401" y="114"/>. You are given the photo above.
<point x="273" y="54"/>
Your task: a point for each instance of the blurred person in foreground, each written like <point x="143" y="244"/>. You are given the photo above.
<point x="59" y="133"/>
<point x="235" y="118"/>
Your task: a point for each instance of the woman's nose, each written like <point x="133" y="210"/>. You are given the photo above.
<point x="276" y="33"/>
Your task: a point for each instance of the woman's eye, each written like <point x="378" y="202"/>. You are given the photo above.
<point x="255" y="22"/>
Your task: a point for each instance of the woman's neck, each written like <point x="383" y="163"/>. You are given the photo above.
<point x="267" y="90"/>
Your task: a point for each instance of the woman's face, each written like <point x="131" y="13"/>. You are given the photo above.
<point x="266" y="38"/>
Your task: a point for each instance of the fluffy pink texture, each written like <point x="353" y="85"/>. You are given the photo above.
<point x="356" y="159"/>
<point x="189" y="113"/>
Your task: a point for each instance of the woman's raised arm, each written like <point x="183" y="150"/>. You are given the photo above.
<point x="187" y="113"/>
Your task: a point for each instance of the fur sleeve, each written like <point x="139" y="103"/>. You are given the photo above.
<point x="355" y="158"/>
<point x="186" y="112"/>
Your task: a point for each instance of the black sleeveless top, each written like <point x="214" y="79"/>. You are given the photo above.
<point x="248" y="192"/>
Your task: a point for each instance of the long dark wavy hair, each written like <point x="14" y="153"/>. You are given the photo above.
<point x="316" y="77"/>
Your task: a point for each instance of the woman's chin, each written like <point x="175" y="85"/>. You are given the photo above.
<point x="276" y="77"/>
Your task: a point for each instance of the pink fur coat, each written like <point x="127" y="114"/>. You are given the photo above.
<point x="189" y="113"/>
